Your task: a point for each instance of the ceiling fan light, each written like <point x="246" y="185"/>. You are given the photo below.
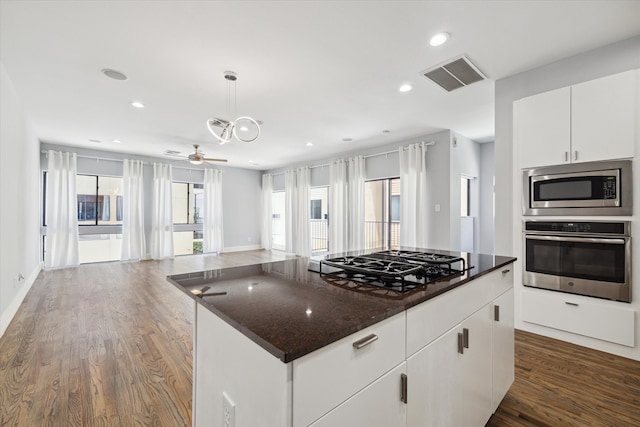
<point x="195" y="161"/>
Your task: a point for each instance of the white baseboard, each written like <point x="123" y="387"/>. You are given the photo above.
<point x="242" y="248"/>
<point x="12" y="309"/>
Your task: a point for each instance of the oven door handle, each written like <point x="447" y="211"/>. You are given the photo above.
<point x="577" y="239"/>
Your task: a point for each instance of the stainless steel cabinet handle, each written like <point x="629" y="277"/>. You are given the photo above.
<point x="575" y="155"/>
<point x="465" y="337"/>
<point x="496" y="313"/>
<point x="460" y="344"/>
<point x="365" y="341"/>
<point x="566" y="156"/>
<point x="505" y="271"/>
<point x="403" y="388"/>
<point x="571" y="303"/>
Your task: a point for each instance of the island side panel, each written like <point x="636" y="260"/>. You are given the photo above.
<point x="226" y="361"/>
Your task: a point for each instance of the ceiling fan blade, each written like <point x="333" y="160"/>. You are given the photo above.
<point x="209" y="159"/>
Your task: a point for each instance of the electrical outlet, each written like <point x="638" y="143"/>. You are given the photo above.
<point x="228" y="411"/>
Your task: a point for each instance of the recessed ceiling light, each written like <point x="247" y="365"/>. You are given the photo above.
<point x="116" y="141"/>
<point x="439" y="39"/>
<point x="254" y="163"/>
<point x="117" y="75"/>
<point x="405" y="87"/>
<point x="347" y="139"/>
<point x="137" y="104"/>
<point x="309" y="144"/>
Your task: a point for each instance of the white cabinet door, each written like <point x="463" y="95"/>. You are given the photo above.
<point x="475" y="371"/>
<point x="503" y="347"/>
<point x="603" y="118"/>
<point x="449" y="388"/>
<point x="433" y="398"/>
<point x="542" y="129"/>
<point x="378" y="405"/>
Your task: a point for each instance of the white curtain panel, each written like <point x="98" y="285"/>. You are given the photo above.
<point x="338" y="218"/>
<point x="213" y="231"/>
<point x="267" y="211"/>
<point x="289" y="209"/>
<point x="161" y="215"/>
<point x="356" y="171"/>
<point x="61" y="249"/>
<point x="302" y="237"/>
<point x="413" y="195"/>
<point x="133" y="239"/>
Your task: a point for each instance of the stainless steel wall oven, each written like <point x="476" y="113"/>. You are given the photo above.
<point x="590" y="258"/>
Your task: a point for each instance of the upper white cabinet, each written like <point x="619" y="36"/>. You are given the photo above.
<point x="591" y="121"/>
<point x="542" y="128"/>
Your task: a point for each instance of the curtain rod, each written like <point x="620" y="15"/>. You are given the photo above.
<point x="366" y="157"/>
<point x="121" y="160"/>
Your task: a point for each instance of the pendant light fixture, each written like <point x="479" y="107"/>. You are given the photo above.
<point x="245" y="129"/>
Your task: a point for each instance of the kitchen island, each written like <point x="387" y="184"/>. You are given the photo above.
<point x="278" y="345"/>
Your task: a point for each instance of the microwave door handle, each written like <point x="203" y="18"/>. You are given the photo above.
<point x="578" y="239"/>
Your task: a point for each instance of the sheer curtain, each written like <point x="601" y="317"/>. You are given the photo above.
<point x="356" y="171"/>
<point x="61" y="249"/>
<point x="289" y="209"/>
<point x="213" y="232"/>
<point x="162" y="222"/>
<point x="338" y="216"/>
<point x="133" y="240"/>
<point x="267" y="220"/>
<point x="302" y="237"/>
<point x="413" y="195"/>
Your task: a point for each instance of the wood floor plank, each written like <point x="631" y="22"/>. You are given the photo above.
<point x="111" y="345"/>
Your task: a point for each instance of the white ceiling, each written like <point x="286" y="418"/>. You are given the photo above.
<point x="311" y="71"/>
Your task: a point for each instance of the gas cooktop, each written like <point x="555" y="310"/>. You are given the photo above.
<point x="394" y="271"/>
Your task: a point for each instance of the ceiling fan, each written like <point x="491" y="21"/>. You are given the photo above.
<point x="198" y="157"/>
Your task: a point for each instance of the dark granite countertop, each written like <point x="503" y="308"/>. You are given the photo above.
<point x="291" y="311"/>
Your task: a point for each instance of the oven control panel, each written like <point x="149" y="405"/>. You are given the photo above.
<point x="591" y="227"/>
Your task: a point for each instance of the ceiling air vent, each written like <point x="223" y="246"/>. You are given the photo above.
<point x="171" y="153"/>
<point x="454" y="73"/>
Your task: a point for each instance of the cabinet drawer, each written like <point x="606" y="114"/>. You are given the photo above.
<point x="327" y="377"/>
<point x="432" y="318"/>
<point x="603" y="320"/>
<point x="502" y="280"/>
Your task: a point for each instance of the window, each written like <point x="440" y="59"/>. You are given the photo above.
<point x="99" y="200"/>
<point x="382" y="213"/>
<point x="187" y="201"/>
<point x="465" y="205"/>
<point x="318" y="215"/>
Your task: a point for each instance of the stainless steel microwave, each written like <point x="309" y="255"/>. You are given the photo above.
<point x="593" y="188"/>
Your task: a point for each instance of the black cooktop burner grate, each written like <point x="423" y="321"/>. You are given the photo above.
<point x="394" y="270"/>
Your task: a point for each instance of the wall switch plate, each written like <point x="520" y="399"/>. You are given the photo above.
<point x="228" y="411"/>
<point x="437" y="208"/>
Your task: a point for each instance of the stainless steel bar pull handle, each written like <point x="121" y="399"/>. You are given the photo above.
<point x="465" y="337"/>
<point x="505" y="271"/>
<point x="566" y="156"/>
<point x="496" y="313"/>
<point x="571" y="303"/>
<point x="365" y="341"/>
<point x="403" y="388"/>
<point x="460" y="344"/>
<point x="575" y="155"/>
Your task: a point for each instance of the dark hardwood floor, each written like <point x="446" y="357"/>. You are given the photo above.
<point x="110" y="345"/>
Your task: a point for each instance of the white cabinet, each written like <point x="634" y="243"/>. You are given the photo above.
<point x="449" y="381"/>
<point x="542" y="128"/>
<point x="604" y="320"/>
<point x="378" y="405"/>
<point x="603" y="118"/>
<point x="327" y="377"/>
<point x="591" y="121"/>
<point x="503" y="347"/>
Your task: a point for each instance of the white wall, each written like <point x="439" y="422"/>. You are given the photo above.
<point x="19" y="202"/>
<point x="240" y="191"/>
<point x="487" y="224"/>
<point x="611" y="59"/>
